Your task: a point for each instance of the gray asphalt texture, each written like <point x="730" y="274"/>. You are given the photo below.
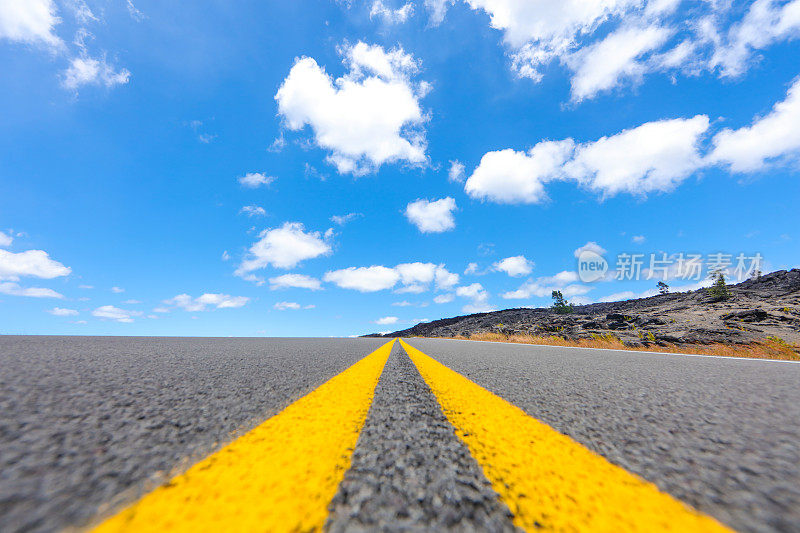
<point x="88" y="421"/>
<point x="409" y="471"/>
<point x="720" y="434"/>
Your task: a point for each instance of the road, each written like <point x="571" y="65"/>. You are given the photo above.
<point x="89" y="427"/>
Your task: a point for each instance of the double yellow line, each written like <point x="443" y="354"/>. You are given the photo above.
<point x="282" y="475"/>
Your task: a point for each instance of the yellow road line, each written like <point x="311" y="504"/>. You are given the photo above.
<point x="549" y="481"/>
<point x="278" y="477"/>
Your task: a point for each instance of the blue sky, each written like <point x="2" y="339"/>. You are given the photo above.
<point x="334" y="168"/>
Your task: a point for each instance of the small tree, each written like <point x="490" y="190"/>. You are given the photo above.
<point x="663" y="288"/>
<point x="560" y="305"/>
<point x="719" y="290"/>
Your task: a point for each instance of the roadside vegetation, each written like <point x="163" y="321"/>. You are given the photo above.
<point x="769" y="348"/>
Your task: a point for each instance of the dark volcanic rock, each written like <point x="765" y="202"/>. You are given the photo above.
<point x="757" y="308"/>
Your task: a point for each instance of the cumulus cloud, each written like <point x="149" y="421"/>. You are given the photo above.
<point x="298" y="281"/>
<point x="543" y="287"/>
<point x="5" y="239"/>
<point x="283" y="247"/>
<point x="764" y="23"/>
<point x="117" y="290"/>
<point x="607" y="63"/>
<point x="253" y="211"/>
<point x="413" y="277"/>
<point x="86" y="70"/>
<point x="479" y="298"/>
<point x="508" y="177"/>
<point x="608" y="43"/>
<point x="29" y="21"/>
<point x="14" y="289"/>
<point x="368" y="117"/>
<point x="283" y="306"/>
<point x="391" y="16"/>
<point x="60" y="311"/>
<point x="656" y="156"/>
<point x="432" y="216"/>
<point x="437" y="10"/>
<point x="341" y="220"/>
<point x="514" y="266"/>
<point x="31" y="263"/>
<point x="364" y="279"/>
<point x="255" y="179"/>
<point x="456" y="172"/>
<point x="769" y="138"/>
<point x="444" y="298"/>
<point x="590" y="246"/>
<point x="110" y="312"/>
<point x="387" y="320"/>
<point x="201" y="303"/>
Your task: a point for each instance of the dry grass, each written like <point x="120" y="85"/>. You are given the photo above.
<point x="769" y="348"/>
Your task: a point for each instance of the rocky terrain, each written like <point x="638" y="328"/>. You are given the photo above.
<point x="758" y="308"/>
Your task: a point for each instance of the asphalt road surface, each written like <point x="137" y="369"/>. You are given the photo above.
<point x="88" y="425"/>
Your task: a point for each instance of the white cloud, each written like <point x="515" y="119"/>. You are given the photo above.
<point x="283" y="247"/>
<point x="387" y="320"/>
<point x="219" y="301"/>
<point x="543" y="286"/>
<point x="437" y="10"/>
<point x="86" y="70"/>
<point x="514" y="266"/>
<point x="413" y="277"/>
<point x="768" y="138"/>
<point x="14" y="289"/>
<point x="299" y="281"/>
<point x="655" y="156"/>
<point x="60" y="311"/>
<point x="479" y="297"/>
<point x="456" y="172"/>
<point x="589" y="246"/>
<point x="135" y="14"/>
<point x="472" y="268"/>
<point x="256" y="179"/>
<point x="389" y="15"/>
<point x="432" y="216"/>
<point x="115" y="313"/>
<point x="225" y="255"/>
<point x="539" y="31"/>
<point x="638" y="239"/>
<point x="444" y="298"/>
<point x="132" y="302"/>
<point x="341" y="220"/>
<point x="29" y="21"/>
<point x="607" y="63"/>
<point x="5" y="239"/>
<point x="283" y="306"/>
<point x="117" y="290"/>
<point x="766" y="22"/>
<point x="253" y="211"/>
<point x="366" y="118"/>
<point x="404" y="303"/>
<point x="608" y="42"/>
<point x="364" y="279"/>
<point x="32" y="263"/>
<point x="509" y="177"/>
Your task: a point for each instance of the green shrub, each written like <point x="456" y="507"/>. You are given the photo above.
<point x="560" y="305"/>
